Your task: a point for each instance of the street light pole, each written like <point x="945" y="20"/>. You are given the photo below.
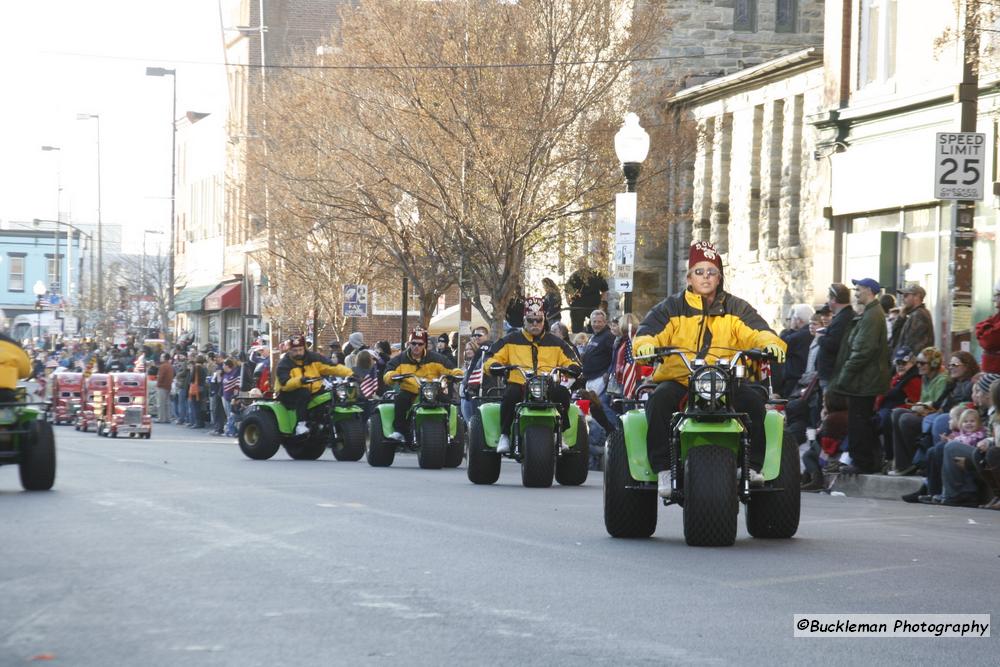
<point x="631" y="147"/>
<point x="100" y="226"/>
<point x="172" y="73"/>
<point x="69" y="241"/>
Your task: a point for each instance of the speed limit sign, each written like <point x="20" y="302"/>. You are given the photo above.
<point x="960" y="165"/>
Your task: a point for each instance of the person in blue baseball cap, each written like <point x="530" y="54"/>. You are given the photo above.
<point x="862" y="373"/>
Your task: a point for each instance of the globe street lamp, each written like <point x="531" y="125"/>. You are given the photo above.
<point x="631" y="147"/>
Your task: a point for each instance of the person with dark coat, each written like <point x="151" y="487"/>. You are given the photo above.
<point x="862" y="373"/>
<point x="914" y="328"/>
<point x="552" y="301"/>
<point x="831" y="337"/>
<point x="584" y="291"/>
<point x="798" y="339"/>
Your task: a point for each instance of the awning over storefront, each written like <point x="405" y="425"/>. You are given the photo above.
<point x="190" y="298"/>
<point x="224" y="298"/>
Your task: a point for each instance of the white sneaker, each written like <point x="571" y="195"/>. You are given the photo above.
<point x="503" y="446"/>
<point x="301" y="428"/>
<point x="663" y="480"/>
<point x="397" y="436"/>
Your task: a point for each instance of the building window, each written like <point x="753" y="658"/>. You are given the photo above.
<point x="15" y="279"/>
<point x="390" y="302"/>
<point x="745" y="16"/>
<point x="877" y="48"/>
<point x="785" y="15"/>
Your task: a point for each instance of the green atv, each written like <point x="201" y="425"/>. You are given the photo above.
<point x="333" y="417"/>
<point x="26" y="439"/>
<point x="540" y="441"/>
<point x="709" y="443"/>
<point x="436" y="429"/>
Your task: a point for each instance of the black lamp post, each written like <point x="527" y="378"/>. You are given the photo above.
<point x="631" y="147"/>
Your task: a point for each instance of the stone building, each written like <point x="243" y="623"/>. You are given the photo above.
<point x="759" y="186"/>
<point x="706" y="39"/>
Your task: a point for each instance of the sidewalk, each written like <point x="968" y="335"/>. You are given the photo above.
<point x="882" y="487"/>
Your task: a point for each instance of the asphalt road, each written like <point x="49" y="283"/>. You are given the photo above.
<point x="179" y="551"/>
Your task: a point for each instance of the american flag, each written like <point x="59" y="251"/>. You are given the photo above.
<point x="629" y="371"/>
<point x="369" y="383"/>
<point x="476" y="377"/>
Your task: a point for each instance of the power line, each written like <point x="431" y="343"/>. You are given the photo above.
<point x="397" y="66"/>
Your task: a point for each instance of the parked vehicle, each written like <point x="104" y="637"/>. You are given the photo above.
<point x="333" y="417"/>
<point x="26" y="440"/>
<point x="540" y="441"/>
<point x="436" y="429"/>
<point x="67" y="397"/>
<point x="709" y="443"/>
<point x="95" y="390"/>
<point x="125" y="408"/>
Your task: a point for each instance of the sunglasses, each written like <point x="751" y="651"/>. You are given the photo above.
<point x="534" y="320"/>
<point x="900" y="362"/>
<point x="478" y="335"/>
<point x="955" y="364"/>
<point x="416" y="344"/>
<point x="711" y="273"/>
<point x="921" y="363"/>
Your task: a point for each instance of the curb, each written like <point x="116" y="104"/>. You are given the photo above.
<point x="882" y="487"/>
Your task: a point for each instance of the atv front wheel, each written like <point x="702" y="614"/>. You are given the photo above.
<point x="711" y="503"/>
<point x="627" y="512"/>
<point x="381" y="450"/>
<point x="309" y="450"/>
<point x="38" y="457"/>
<point x="351" y="445"/>
<point x="433" y="438"/>
<point x="484" y="463"/>
<point x="775" y="514"/>
<point x="572" y="466"/>
<point x="539" y="456"/>
<point x="258" y="436"/>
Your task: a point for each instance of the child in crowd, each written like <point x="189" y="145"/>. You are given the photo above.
<point x="955" y="418"/>
<point x="970" y="428"/>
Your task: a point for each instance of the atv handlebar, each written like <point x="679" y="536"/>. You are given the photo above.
<point x="498" y="369"/>
<point x="753" y="354"/>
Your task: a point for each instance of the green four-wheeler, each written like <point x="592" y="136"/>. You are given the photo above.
<point x="709" y="446"/>
<point x="26" y="439"/>
<point x="538" y="439"/>
<point x="333" y="416"/>
<point x="436" y="429"/>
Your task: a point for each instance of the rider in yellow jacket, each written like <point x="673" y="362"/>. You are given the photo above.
<point x="422" y="363"/>
<point x="531" y="347"/>
<point x="701" y="319"/>
<point x="14" y="365"/>
<point x="295" y="370"/>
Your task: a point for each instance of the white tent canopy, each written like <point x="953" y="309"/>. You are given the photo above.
<point x="447" y="320"/>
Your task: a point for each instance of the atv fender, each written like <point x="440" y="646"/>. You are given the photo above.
<point x="634" y="429"/>
<point x="774" y="429"/>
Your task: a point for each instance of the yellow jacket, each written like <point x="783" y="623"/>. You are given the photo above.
<point x="682" y="320"/>
<point x="432" y="365"/>
<point x="14" y="363"/>
<point x="515" y="349"/>
<point x="290" y="372"/>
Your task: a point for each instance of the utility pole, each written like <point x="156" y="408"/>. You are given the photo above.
<point x="963" y="212"/>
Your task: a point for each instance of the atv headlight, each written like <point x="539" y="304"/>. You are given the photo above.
<point x="710" y="384"/>
<point x="341" y="392"/>
<point x="536" y="389"/>
<point x="429" y="391"/>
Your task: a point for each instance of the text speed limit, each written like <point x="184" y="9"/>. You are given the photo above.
<point x="959" y="165"/>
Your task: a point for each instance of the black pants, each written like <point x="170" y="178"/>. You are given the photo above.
<point x="577" y="315"/>
<point x="402" y="403"/>
<point x="514" y="394"/>
<point x="8" y="396"/>
<point x="862" y="443"/>
<point x="662" y="405"/>
<point x="297" y="399"/>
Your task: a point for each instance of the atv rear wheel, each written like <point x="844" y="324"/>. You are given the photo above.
<point x="433" y="438"/>
<point x="456" y="446"/>
<point x="484" y="463"/>
<point x="711" y="503"/>
<point x="539" y="456"/>
<point x="351" y="444"/>
<point x="38" y="457"/>
<point x="308" y="450"/>
<point x="573" y="465"/>
<point x="775" y="514"/>
<point x="381" y="450"/>
<point x="627" y="513"/>
<point x="258" y="436"/>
